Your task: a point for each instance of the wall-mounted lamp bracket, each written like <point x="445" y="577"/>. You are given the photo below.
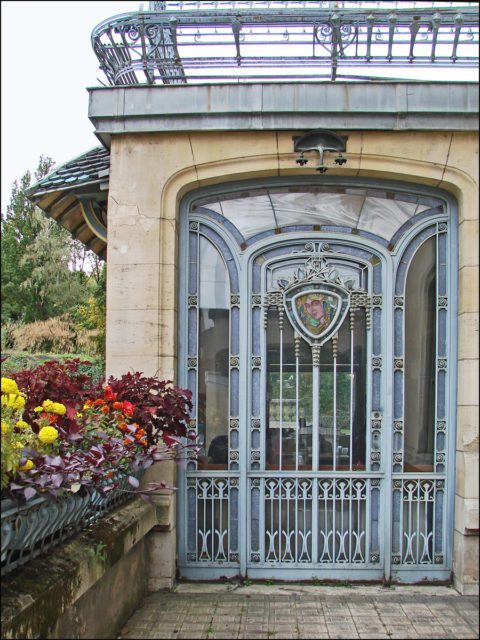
<point x="321" y="141"/>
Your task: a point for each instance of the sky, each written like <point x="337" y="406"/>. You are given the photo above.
<point x="47" y="64"/>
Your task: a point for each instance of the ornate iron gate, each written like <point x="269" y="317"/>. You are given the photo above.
<point x="303" y="471"/>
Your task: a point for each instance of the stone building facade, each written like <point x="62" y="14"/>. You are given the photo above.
<point x="183" y="188"/>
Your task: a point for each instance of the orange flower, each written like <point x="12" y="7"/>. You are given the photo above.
<point x="110" y="474"/>
<point x="98" y="402"/>
<point x="51" y="417"/>
<point x="105" y="409"/>
<point x="122" y="426"/>
<point x="127" y="442"/>
<point x="117" y="405"/>
<point x="88" y="404"/>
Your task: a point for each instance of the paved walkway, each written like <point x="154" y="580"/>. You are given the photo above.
<point x="292" y="611"/>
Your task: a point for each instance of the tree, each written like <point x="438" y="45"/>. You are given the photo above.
<point x="37" y="279"/>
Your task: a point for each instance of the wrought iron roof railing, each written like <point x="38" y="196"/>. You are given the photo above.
<point x="198" y="42"/>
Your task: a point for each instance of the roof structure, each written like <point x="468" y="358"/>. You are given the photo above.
<point x="75" y="195"/>
<point x="242" y="51"/>
<point x="199" y="42"/>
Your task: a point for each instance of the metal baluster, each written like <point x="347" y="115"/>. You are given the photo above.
<point x="315" y="405"/>
<point x="280" y="516"/>
<point x="280" y="449"/>
<point x="212" y="503"/>
<point x="297" y="395"/>
<point x="335" y="353"/>
<point x="196" y="520"/>
<point x="350" y="527"/>
<point x="297" y="484"/>
<point x="352" y="328"/>
<point x="417" y="546"/>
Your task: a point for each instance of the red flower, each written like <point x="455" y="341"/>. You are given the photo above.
<point x="110" y="474"/>
<point x="128" y="408"/>
<point x="108" y="393"/>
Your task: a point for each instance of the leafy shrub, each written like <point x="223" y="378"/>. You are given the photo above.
<point x="13" y="362"/>
<point x="80" y="435"/>
<point x="161" y="408"/>
<point x="57" y="381"/>
<point x="58" y="334"/>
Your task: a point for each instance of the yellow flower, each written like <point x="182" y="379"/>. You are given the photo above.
<point x="21" y="424"/>
<point x="14" y="400"/>
<point x="4" y="426"/>
<point x="27" y="466"/>
<point x="9" y="386"/>
<point x="79" y="415"/>
<point x="54" y="407"/>
<point x="18" y="445"/>
<point x="47" y="435"/>
<point x="38" y="409"/>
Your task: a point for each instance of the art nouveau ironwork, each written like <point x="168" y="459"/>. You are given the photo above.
<point x="310" y="474"/>
<point x="185" y="42"/>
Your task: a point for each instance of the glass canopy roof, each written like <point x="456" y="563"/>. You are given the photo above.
<point x="361" y="209"/>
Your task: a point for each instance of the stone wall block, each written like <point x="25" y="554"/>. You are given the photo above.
<point x="466" y="515"/>
<point x="467" y="428"/>
<point x="210" y="147"/>
<point x="132" y="332"/>
<point x="136" y="244"/>
<point x="465" y="564"/>
<point x="468" y="382"/>
<point x="118" y="365"/>
<point x="133" y="286"/>
<point x="467" y="475"/>
<point x="468" y="243"/>
<point x="468" y="336"/>
<point x="468" y="290"/>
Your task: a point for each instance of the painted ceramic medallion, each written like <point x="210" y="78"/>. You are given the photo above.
<point x="315" y="311"/>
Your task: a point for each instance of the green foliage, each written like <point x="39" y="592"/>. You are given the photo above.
<point x="44" y="270"/>
<point x="45" y="275"/>
<point x="94" y="367"/>
<point x="92" y="314"/>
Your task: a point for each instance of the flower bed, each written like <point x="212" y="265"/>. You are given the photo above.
<point x="73" y="450"/>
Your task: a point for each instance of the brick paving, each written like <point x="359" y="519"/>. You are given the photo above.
<point x="294" y="611"/>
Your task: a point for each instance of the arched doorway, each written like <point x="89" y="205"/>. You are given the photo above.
<point x="315" y="336"/>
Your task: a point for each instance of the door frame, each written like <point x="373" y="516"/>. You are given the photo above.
<point x="387" y="258"/>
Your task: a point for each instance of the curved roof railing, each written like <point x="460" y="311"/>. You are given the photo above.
<point x="200" y="42"/>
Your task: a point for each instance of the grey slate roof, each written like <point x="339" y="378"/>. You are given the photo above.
<point x="84" y="169"/>
<point x="65" y="192"/>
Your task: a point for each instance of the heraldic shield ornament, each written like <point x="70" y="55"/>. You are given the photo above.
<point x="316" y="300"/>
<point x="315" y="311"/>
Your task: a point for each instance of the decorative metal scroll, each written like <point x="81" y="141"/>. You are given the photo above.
<point x="184" y="42"/>
<point x="316" y="299"/>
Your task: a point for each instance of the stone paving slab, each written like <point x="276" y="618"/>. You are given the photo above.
<point x="277" y="612"/>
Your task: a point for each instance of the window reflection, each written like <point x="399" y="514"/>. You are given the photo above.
<point x="420" y="338"/>
<point x="342" y="443"/>
<point x="213" y="364"/>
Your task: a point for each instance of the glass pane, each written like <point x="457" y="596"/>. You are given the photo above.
<point x="213" y="364"/>
<point x="420" y="337"/>
<point x="284" y="440"/>
<point x="259" y="211"/>
<point x="350" y="395"/>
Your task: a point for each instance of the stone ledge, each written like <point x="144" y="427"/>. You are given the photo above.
<point x="36" y="596"/>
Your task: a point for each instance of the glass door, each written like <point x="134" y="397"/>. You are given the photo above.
<point x="314" y="477"/>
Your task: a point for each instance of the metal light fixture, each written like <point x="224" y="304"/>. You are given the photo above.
<point x="321" y="141"/>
